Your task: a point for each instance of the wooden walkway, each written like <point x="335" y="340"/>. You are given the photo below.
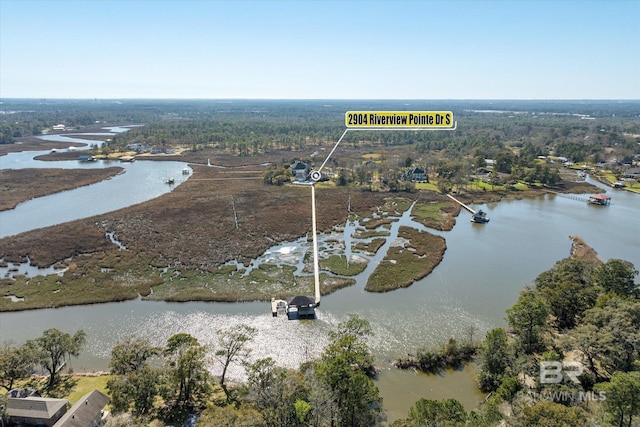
<point x="568" y="196"/>
<point x="461" y="204"/>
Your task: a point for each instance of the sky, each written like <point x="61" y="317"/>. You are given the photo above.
<point x="509" y="49"/>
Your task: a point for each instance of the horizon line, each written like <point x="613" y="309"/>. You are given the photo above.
<point x="311" y="99"/>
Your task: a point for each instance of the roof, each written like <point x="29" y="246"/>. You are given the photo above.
<point x="21" y="393"/>
<point x="34" y="407"/>
<point x="301" y="301"/>
<point x="84" y="411"/>
<point x="601" y="197"/>
<point x="299" y="166"/>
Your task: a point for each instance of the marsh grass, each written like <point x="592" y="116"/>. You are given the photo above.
<point x="261" y="284"/>
<point x="439" y="215"/>
<point x="372" y="247"/>
<point x="402" y="266"/>
<point x="337" y="264"/>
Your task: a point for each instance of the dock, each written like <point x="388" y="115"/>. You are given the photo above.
<point x="596" y="199"/>
<point x="461" y="204"/>
<point x="478" y="217"/>
<point x="278" y="306"/>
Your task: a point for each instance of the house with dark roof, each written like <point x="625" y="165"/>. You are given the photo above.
<point x="87" y="412"/>
<point x="415" y="175"/>
<point x="300" y="171"/>
<point x="38" y="411"/>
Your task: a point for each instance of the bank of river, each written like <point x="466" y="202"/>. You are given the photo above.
<point x="140" y="182"/>
<point x="482" y="272"/>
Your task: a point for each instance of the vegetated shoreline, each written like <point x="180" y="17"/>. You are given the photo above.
<point x="456" y="355"/>
<point x="20" y="185"/>
<point x="192" y="232"/>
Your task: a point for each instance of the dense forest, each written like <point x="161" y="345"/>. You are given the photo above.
<point x="515" y="134"/>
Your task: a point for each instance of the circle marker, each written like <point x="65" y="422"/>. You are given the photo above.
<point x="316" y="175"/>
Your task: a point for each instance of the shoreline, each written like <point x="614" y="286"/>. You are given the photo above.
<point x="150" y="236"/>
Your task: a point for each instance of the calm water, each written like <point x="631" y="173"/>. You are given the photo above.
<point x="484" y="268"/>
<point x="140" y="182"/>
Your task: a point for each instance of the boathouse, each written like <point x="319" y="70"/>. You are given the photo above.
<point x="301" y="307"/>
<point x="600" y="199"/>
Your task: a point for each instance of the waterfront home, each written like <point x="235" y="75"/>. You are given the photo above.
<point x="26" y="408"/>
<point x="415" y="175"/>
<point x="36" y="411"/>
<point x="300" y="171"/>
<point x="87" y="412"/>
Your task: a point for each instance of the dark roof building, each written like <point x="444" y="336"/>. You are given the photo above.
<point x="415" y="174"/>
<point x="39" y="411"/>
<point x="87" y="412"/>
<point x="300" y="171"/>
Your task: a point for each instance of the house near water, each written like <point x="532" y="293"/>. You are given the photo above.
<point x="28" y="409"/>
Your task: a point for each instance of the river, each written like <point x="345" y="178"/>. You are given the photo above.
<point x="483" y="270"/>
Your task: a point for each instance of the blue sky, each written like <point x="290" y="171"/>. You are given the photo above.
<point x="320" y="49"/>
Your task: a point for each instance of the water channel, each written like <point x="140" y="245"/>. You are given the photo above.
<point x="484" y="268"/>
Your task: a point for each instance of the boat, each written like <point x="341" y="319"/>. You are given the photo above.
<point x="170" y="181"/>
<point x="480" y="217"/>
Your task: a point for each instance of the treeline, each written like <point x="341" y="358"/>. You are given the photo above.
<point x="276" y="124"/>
<point x="583" y="316"/>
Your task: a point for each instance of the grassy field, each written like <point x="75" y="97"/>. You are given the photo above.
<point x="71" y="387"/>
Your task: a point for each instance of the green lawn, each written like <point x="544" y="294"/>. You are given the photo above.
<point x="86" y="385"/>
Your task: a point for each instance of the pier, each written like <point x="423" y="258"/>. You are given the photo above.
<point x="568" y="196"/>
<point x="478" y="217"/>
<point x="461" y="204"/>
<point x="596" y="199"/>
